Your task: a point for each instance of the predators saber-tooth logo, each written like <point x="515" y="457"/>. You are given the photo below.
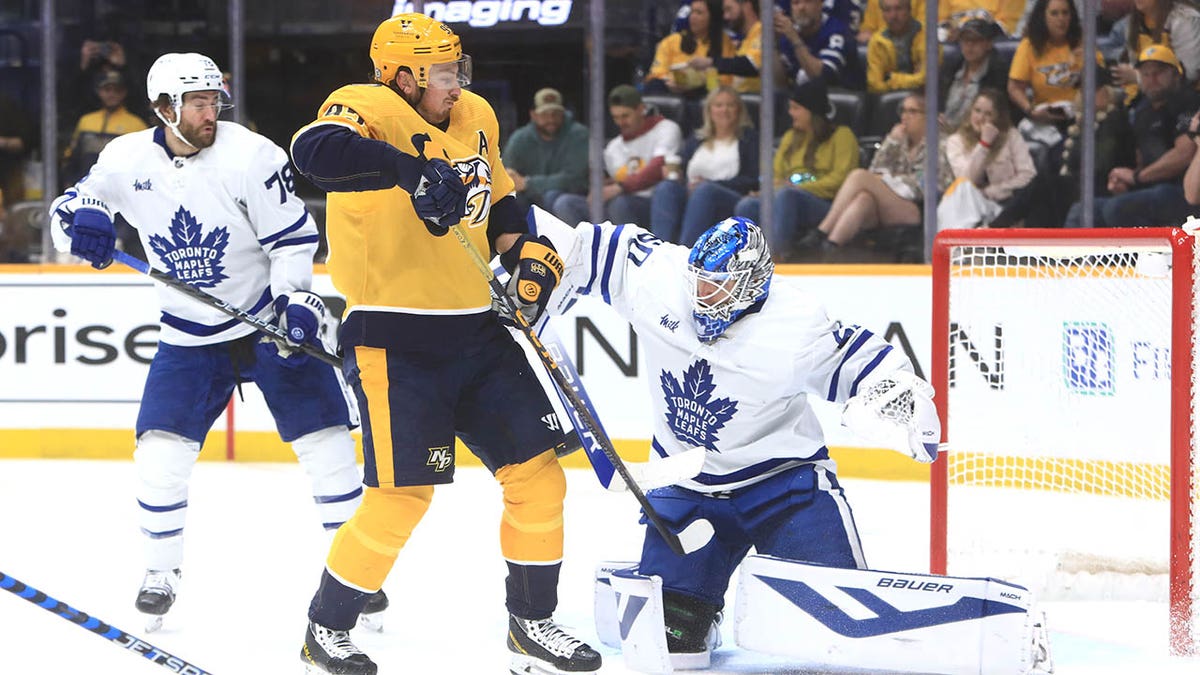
<point x="440" y="458"/>
<point x="477" y="176"/>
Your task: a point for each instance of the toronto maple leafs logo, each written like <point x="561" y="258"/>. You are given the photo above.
<point x="691" y="413"/>
<point x="188" y="256"/>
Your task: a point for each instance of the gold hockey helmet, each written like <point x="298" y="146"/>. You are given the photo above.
<point x="426" y="46"/>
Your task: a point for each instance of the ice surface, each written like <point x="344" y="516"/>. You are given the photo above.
<point x="255" y="553"/>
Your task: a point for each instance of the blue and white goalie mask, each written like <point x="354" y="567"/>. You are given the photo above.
<point x="729" y="270"/>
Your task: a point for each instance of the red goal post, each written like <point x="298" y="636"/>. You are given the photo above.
<point x="1064" y="363"/>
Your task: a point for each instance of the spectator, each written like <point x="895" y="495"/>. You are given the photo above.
<point x="849" y="12"/>
<point x="979" y="68"/>
<point x="1173" y="23"/>
<point x="890" y="192"/>
<point x="718" y="166"/>
<point x="813" y="46"/>
<point x="992" y="168"/>
<point x="1191" y="178"/>
<point x="896" y="54"/>
<point x="872" y="18"/>
<point x="95" y="129"/>
<point x="549" y="156"/>
<point x="1151" y="193"/>
<point x="1049" y="61"/>
<point x="704" y="35"/>
<point x="812" y="162"/>
<point x="741" y="16"/>
<point x="634" y="161"/>
<point x="953" y="13"/>
<point x="16" y="139"/>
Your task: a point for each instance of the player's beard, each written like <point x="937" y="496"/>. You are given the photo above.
<point x="200" y="135"/>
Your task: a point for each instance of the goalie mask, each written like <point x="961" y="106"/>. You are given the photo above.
<point x="426" y="47"/>
<point x="729" y="270"/>
<point x="174" y="75"/>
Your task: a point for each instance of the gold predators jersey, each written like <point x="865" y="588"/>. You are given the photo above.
<point x="381" y="256"/>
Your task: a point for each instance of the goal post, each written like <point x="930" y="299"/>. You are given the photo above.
<point x="1064" y="364"/>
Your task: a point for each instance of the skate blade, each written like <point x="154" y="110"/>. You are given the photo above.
<point x="371" y="622"/>
<point x="153" y="623"/>
<point x="522" y="664"/>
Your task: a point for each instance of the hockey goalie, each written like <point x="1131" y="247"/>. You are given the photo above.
<point x="733" y="354"/>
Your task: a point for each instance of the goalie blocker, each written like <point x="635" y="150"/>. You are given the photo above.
<point x="847" y="618"/>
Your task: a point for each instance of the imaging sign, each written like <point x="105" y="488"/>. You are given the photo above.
<point x="510" y="14"/>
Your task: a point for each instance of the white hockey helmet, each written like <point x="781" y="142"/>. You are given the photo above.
<point x="174" y="75"/>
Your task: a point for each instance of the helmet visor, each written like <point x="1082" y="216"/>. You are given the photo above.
<point x="450" y="75"/>
<point x="201" y="103"/>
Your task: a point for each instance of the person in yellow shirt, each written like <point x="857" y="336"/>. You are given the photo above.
<point x="896" y="55"/>
<point x="404" y="159"/>
<point x="741" y="16"/>
<point x="953" y="13"/>
<point x="1049" y="64"/>
<point x="873" y="22"/>
<point x="95" y="129"/>
<point x="671" y="72"/>
<point x="813" y="160"/>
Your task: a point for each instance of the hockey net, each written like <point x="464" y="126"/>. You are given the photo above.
<point x="1072" y="461"/>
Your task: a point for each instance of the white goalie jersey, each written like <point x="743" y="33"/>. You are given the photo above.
<point x="744" y="396"/>
<point x="226" y="220"/>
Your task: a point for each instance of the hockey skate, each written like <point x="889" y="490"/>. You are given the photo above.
<point x="331" y="652"/>
<point x="371" y="616"/>
<point x="156" y="596"/>
<point x="540" y="647"/>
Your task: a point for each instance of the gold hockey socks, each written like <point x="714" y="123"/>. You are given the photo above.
<point x="365" y="548"/>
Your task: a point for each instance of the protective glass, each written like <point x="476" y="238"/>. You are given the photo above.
<point x="450" y="75"/>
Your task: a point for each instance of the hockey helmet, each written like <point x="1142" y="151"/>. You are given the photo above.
<point x="176" y="74"/>
<point x="729" y="270"/>
<point x="426" y="46"/>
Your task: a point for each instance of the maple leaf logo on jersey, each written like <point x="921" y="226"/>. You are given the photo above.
<point x="189" y="257"/>
<point x="692" y="416"/>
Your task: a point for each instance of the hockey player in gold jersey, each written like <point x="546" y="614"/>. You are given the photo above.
<point x="402" y="159"/>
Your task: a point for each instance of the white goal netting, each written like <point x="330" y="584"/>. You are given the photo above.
<point x="1059" y="419"/>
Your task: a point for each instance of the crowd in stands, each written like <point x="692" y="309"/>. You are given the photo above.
<point x="849" y="139"/>
<point x="850" y="134"/>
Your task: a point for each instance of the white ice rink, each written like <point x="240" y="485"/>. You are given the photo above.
<point x="255" y="552"/>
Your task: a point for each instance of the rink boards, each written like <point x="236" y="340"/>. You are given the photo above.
<point x="75" y="345"/>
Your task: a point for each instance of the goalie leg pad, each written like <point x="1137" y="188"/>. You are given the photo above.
<point x="328" y="458"/>
<point x="604" y="606"/>
<point x="164" y="464"/>
<point x="640" y="612"/>
<point x="874" y="620"/>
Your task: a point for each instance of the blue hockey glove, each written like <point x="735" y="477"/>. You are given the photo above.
<point x="301" y="315"/>
<point x="93" y="237"/>
<point x="441" y="197"/>
<point x="536" y="269"/>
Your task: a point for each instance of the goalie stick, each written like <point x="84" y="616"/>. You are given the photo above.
<point x="117" y="636"/>
<point x="691" y="538"/>
<point x="261" y="325"/>
<point x="648" y="475"/>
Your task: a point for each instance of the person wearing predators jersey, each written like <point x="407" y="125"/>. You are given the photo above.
<point x="403" y="159"/>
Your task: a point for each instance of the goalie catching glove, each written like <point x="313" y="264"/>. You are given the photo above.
<point x="896" y="410"/>
<point x="536" y="269"/>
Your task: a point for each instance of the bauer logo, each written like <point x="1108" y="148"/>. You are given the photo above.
<point x="693" y="415"/>
<point x="189" y="254"/>
<point x="1088" y="358"/>
<point x="488" y="13"/>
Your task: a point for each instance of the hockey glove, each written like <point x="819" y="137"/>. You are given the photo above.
<point x="301" y="315"/>
<point x="93" y="237"/>
<point x="441" y="197"/>
<point x="536" y="269"/>
<point x="896" y="410"/>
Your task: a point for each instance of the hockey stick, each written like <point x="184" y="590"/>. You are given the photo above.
<point x="648" y="475"/>
<point x="695" y="535"/>
<point x="238" y="313"/>
<point x="118" y="637"/>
